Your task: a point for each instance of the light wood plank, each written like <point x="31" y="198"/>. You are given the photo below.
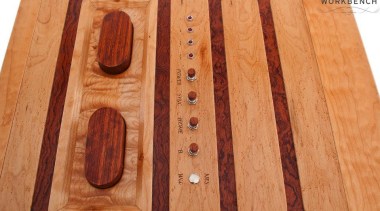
<point x="15" y="63"/>
<point x="320" y="175"/>
<point x="205" y="195"/>
<point x="352" y="100"/>
<point x="145" y="164"/>
<point x="259" y="179"/>
<point x="22" y="156"/>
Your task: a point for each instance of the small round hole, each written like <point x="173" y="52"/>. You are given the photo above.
<point x="189" y="18"/>
<point x="190" y="30"/>
<point x="190" y="56"/>
<point x="190" y="42"/>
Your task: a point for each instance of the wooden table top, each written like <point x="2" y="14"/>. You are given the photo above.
<point x="213" y="105"/>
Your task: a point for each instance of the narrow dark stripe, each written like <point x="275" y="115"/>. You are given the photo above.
<point x="55" y="111"/>
<point x="161" y="141"/>
<point x="227" y="184"/>
<point x="284" y="129"/>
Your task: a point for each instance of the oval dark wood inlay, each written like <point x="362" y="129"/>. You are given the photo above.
<point x="105" y="148"/>
<point x="115" y="43"/>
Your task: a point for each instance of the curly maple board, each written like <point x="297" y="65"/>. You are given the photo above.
<point x="289" y="115"/>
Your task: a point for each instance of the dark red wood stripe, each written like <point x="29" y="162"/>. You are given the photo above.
<point x="55" y="111"/>
<point x="161" y="138"/>
<point x="227" y="184"/>
<point x="284" y="129"/>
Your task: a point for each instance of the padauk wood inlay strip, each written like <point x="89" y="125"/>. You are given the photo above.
<point x="49" y="146"/>
<point x="227" y="183"/>
<point x="284" y="129"/>
<point x="161" y="134"/>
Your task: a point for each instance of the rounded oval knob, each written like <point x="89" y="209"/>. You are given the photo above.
<point x="105" y="148"/>
<point x="115" y="43"/>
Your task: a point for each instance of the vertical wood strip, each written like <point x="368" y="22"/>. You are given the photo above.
<point x="317" y="160"/>
<point x="256" y="148"/>
<point x="13" y="69"/>
<point x="161" y="134"/>
<point x="284" y="129"/>
<point x="54" y="116"/>
<point x="20" y="166"/>
<point x="183" y="194"/>
<point x="352" y="100"/>
<point x="227" y="183"/>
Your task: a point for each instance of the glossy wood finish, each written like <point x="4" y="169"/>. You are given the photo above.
<point x="105" y="148"/>
<point x="56" y="105"/>
<point x="21" y="161"/>
<point x="227" y="181"/>
<point x="331" y="97"/>
<point x="280" y="102"/>
<point x="183" y="194"/>
<point x="318" y="164"/>
<point x="13" y="70"/>
<point x="161" y="133"/>
<point x="353" y="101"/>
<point x="115" y="43"/>
<point x="255" y="139"/>
<point x="130" y="93"/>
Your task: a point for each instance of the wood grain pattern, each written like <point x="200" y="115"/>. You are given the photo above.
<point x="131" y="93"/>
<point x="352" y="100"/>
<point x="259" y="178"/>
<point x="13" y="69"/>
<point x="183" y="194"/>
<point x="227" y="180"/>
<point x="161" y="133"/>
<point x="319" y="172"/>
<point x="280" y="102"/>
<point x="104" y="162"/>
<point x="115" y="43"/>
<point x="45" y="170"/>
<point x="333" y="107"/>
<point x="19" y="170"/>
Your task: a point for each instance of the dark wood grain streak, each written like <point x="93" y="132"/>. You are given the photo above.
<point x="115" y="43"/>
<point x="161" y="137"/>
<point x="105" y="148"/>
<point x="227" y="183"/>
<point x="284" y="129"/>
<point x="49" y="146"/>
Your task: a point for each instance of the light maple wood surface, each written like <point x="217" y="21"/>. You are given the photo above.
<point x="256" y="148"/>
<point x="187" y="196"/>
<point x="352" y="100"/>
<point x="14" y="66"/>
<point x="89" y="89"/>
<point x="320" y="174"/>
<point x="23" y="150"/>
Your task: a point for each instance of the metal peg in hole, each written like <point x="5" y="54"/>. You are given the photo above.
<point x="194" y="178"/>
<point x="192" y="98"/>
<point x="191" y="75"/>
<point x="193" y="149"/>
<point x="193" y="123"/>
